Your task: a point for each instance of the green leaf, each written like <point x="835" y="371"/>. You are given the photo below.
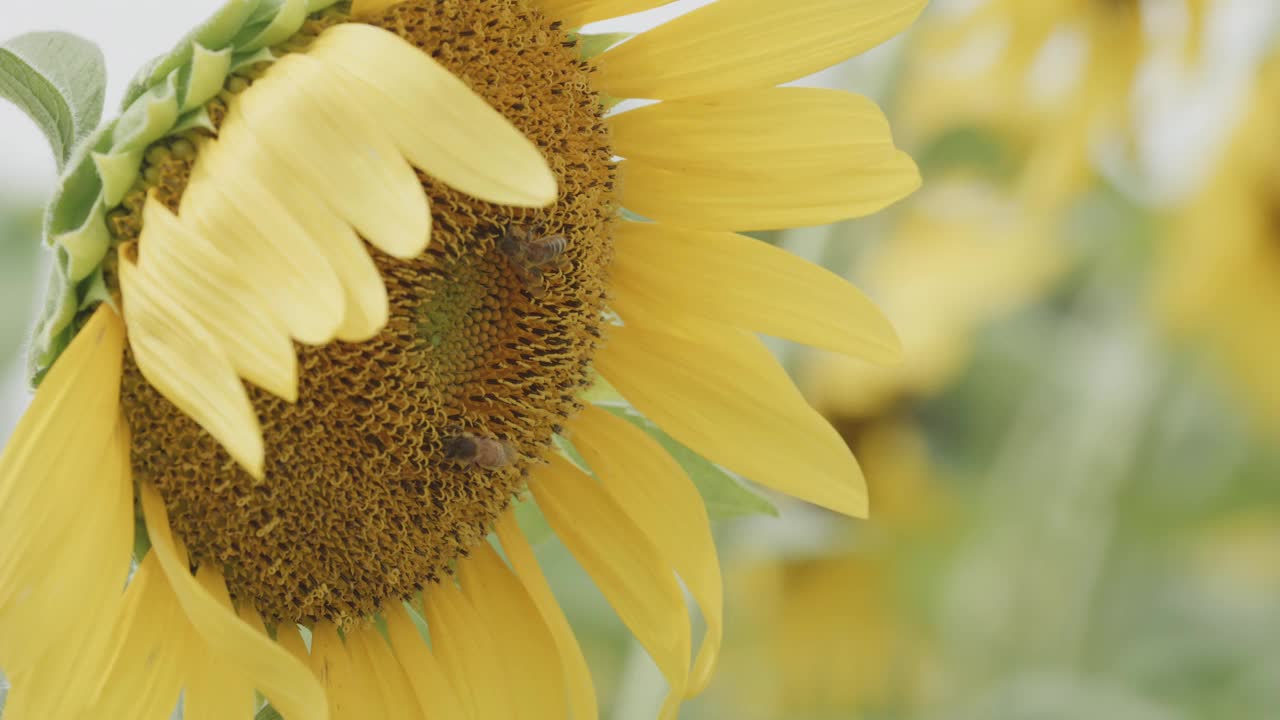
<point x="591" y="45"/>
<point x="419" y="622"/>
<point x="603" y="393"/>
<point x="60" y="81"/>
<point x="723" y="492"/>
<point x="968" y="148"/>
<point x="141" y="539"/>
<point x="529" y="516"/>
<point x="268" y="713"/>
<point x="532" y="523"/>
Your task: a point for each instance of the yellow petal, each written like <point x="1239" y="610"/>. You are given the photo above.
<point x="759" y="130"/>
<point x="333" y="667"/>
<point x="623" y="562"/>
<point x="269" y="247"/>
<point x="760" y="159"/>
<point x="367" y="306"/>
<point x="381" y="673"/>
<point x="66" y="529"/>
<point x="187" y="365"/>
<point x="468" y="652"/>
<point x="316" y="133"/>
<point x="582" y="693"/>
<point x="739" y="197"/>
<point x="218" y="690"/>
<point x="154" y="654"/>
<point x="250" y="616"/>
<point x="727" y="399"/>
<point x="65" y="681"/>
<point x="189" y="269"/>
<point x="536" y="678"/>
<point x="66" y="505"/>
<point x="279" y="675"/>
<point x="748" y="283"/>
<point x="576" y="13"/>
<point x="737" y="44"/>
<point x="437" y="121"/>
<point x="657" y="495"/>
<point x="316" y="246"/>
<point x="436" y="696"/>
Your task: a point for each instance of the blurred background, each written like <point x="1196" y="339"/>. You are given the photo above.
<point x="1076" y="511"/>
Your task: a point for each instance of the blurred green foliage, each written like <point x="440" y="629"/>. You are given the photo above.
<point x="20" y="257"/>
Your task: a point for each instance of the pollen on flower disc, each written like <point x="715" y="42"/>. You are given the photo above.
<point x="362" y="500"/>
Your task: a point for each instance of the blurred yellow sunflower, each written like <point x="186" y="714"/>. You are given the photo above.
<point x="1053" y="75"/>
<point x="834" y="633"/>
<point x="1219" y="282"/>
<point x="398" y="222"/>
<point x="959" y="227"/>
<point x="843" y="631"/>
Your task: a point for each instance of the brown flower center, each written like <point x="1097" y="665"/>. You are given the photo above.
<point x="401" y="451"/>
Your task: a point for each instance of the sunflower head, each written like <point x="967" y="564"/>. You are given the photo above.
<point x="485" y="345"/>
<point x="331" y="294"/>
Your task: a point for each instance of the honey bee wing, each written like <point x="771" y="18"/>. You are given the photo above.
<point x="492" y="454"/>
<point x="548" y="249"/>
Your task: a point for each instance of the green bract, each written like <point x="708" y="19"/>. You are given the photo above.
<point x="167" y="97"/>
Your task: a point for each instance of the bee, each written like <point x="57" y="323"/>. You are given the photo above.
<point x="531" y="254"/>
<point x="488" y="453"/>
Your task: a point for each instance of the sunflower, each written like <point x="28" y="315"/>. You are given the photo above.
<point x="329" y="295"/>
<point x="1053" y="75"/>
<point x="1219" y="270"/>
